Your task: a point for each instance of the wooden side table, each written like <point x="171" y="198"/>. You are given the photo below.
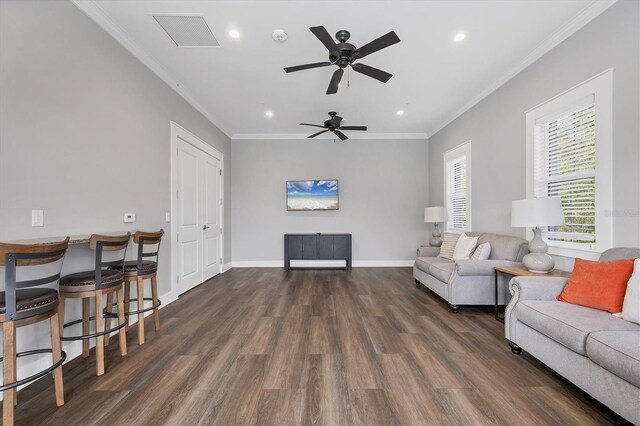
<point x="520" y="271"/>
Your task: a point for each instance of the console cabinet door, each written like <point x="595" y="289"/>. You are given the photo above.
<point x="294" y="246"/>
<point x="309" y="247"/>
<point x="325" y="247"/>
<point x="341" y="246"/>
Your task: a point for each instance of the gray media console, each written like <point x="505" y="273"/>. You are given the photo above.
<point x="317" y="247"/>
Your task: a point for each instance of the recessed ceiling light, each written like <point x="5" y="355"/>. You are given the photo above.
<point x="400" y="112"/>
<point x="234" y="33"/>
<point x="268" y="113"/>
<point x="459" y="37"/>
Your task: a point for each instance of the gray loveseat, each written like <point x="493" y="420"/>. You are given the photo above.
<point x="595" y="350"/>
<point x="469" y="282"/>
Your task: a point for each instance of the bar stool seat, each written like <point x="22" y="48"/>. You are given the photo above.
<point x="148" y="267"/>
<point x="32" y="298"/>
<point x="86" y="281"/>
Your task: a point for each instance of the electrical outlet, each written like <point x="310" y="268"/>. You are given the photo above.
<point x="129" y="217"/>
<point x="37" y="217"/>
<point x="167" y="217"/>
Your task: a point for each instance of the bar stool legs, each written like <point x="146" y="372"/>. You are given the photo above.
<point x="56" y="347"/>
<point x="10" y="397"/>
<point x="86" y="306"/>
<point x="9" y="371"/>
<point x="140" y="282"/>
<point x="154" y="298"/>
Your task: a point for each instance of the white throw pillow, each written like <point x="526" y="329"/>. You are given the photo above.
<point x="482" y="252"/>
<point x="448" y="246"/>
<point x="464" y="247"/>
<point x="631" y="304"/>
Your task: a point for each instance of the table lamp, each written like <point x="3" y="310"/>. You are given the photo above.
<point x="435" y="215"/>
<point x="537" y="213"/>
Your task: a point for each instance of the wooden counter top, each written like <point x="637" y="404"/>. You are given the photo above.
<point x="73" y="239"/>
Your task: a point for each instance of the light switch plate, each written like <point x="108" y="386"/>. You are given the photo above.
<point x="167" y="217"/>
<point x="37" y="217"/>
<point x="129" y="217"/>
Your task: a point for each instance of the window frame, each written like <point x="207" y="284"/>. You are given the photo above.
<point x="600" y="87"/>
<point x="463" y="150"/>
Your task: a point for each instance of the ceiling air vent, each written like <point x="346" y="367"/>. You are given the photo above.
<point x="187" y="30"/>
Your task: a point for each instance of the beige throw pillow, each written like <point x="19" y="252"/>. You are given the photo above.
<point x="448" y="246"/>
<point x="631" y="304"/>
<point x="482" y="252"/>
<point x="464" y="247"/>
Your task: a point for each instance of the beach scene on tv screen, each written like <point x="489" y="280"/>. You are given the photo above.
<point x="312" y="195"/>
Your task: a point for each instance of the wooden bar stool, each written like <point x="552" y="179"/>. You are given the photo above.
<point x="138" y="271"/>
<point x="23" y="303"/>
<point x="106" y="278"/>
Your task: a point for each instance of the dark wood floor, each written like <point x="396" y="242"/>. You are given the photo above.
<point x="266" y="346"/>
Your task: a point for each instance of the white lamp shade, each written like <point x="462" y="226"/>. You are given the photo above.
<point x="435" y="214"/>
<point x="534" y="212"/>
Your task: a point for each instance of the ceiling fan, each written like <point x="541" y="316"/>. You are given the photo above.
<point x="344" y="54"/>
<point x="333" y="125"/>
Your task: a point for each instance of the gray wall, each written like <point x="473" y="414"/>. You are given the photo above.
<point x="383" y="191"/>
<point x="84" y="134"/>
<point x="496" y="125"/>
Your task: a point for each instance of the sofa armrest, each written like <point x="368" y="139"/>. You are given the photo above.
<point x="529" y="288"/>
<point x="536" y="288"/>
<point x="428" y="251"/>
<point x="480" y="267"/>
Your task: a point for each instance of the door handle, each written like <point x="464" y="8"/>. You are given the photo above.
<point x="205" y="227"/>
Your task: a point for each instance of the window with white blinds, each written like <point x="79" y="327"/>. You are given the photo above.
<point x="569" y="155"/>
<point x="457" y="188"/>
<point x="565" y="167"/>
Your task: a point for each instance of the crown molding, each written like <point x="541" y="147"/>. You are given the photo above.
<point x="302" y="136"/>
<point x="95" y="12"/>
<point x="595" y="8"/>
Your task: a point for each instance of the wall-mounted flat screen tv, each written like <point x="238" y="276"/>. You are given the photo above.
<point x="311" y="195"/>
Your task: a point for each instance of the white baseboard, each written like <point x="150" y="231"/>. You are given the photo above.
<point x="356" y="263"/>
<point x="382" y="263"/>
<point x="226" y="267"/>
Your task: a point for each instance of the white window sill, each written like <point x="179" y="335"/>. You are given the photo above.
<point x="575" y="252"/>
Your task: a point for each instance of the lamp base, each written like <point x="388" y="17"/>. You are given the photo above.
<point x="538" y="263"/>
<point x="436" y="240"/>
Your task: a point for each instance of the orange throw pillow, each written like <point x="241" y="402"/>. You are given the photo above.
<point x="599" y="285"/>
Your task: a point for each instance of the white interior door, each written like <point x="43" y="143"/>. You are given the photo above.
<point x="199" y="215"/>
<point x="189" y="205"/>
<point x="211" y="226"/>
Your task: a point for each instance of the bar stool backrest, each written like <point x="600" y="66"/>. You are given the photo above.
<point x="143" y="239"/>
<point x="102" y="243"/>
<point x="14" y="256"/>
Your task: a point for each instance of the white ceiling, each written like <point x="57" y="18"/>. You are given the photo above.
<point x="435" y="79"/>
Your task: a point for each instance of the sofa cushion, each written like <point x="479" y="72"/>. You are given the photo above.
<point x="423" y="263"/>
<point x="442" y="271"/>
<point x="617" y="352"/>
<point x="503" y="247"/>
<point x="568" y="324"/>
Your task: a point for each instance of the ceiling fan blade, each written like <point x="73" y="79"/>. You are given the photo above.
<point x="313" y="125"/>
<point x="316" y="134"/>
<point x="326" y="39"/>
<point x="380" y="43"/>
<point x="307" y="66"/>
<point x="341" y="135"/>
<point x="363" y="128"/>
<point x="335" y="80"/>
<point x="372" y="72"/>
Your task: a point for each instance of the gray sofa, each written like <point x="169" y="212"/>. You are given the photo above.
<point x="469" y="282"/>
<point x="595" y="350"/>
